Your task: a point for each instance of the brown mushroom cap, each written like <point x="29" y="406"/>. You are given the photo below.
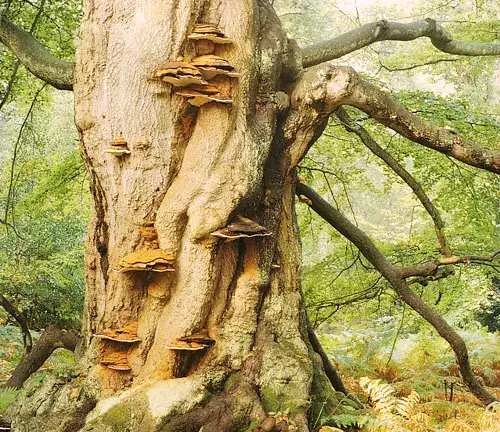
<point x="200" y="337"/>
<point x="116" y="361"/>
<point x="242" y="227"/>
<point x="209" y="32"/>
<point x="211" y="65"/>
<point x="198" y="99"/>
<point x="158" y="260"/>
<point x="127" y="334"/>
<point x="186" y="346"/>
<point x="180" y="74"/>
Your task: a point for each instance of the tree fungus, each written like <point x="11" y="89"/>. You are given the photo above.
<point x="118" y="147"/>
<point x="157" y="260"/>
<point x="242" y="227"/>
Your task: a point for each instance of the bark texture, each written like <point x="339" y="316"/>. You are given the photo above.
<point x="191" y="171"/>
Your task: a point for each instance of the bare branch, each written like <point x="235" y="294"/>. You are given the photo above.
<point x="386" y="30"/>
<point x="398" y="283"/>
<point x="430" y="268"/>
<point x="36" y="57"/>
<point x="328" y="86"/>
<point x="415" y="186"/>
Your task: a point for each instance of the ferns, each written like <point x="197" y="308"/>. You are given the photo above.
<point x="408" y="413"/>
<point x="7" y="396"/>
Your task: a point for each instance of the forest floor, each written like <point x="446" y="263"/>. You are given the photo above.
<point x="416" y="388"/>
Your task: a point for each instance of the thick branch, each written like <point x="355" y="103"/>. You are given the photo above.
<point x="393" y="276"/>
<point x="430" y="268"/>
<point x="52" y="338"/>
<point x="21" y="320"/>
<point x="36" y="57"/>
<point x="386" y="30"/>
<point x="328" y="86"/>
<point x="415" y="186"/>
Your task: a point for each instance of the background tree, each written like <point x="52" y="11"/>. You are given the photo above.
<point x="191" y="172"/>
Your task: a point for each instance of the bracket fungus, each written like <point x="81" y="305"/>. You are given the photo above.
<point x="157" y="260"/>
<point x="117" y="360"/>
<point x="211" y="65"/>
<point x="118" y="147"/>
<point x="195" y="342"/>
<point x="125" y="335"/>
<point x="209" y="32"/>
<point x="180" y="74"/>
<point x="149" y="235"/>
<point x="242" y="227"/>
<point x="201" y="95"/>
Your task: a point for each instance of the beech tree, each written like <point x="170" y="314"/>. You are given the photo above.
<point x="221" y="341"/>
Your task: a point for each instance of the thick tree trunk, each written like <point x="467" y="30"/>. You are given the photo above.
<point x="190" y="171"/>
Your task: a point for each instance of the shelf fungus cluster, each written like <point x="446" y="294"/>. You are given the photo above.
<point x="118" y="147"/>
<point x="116" y="345"/>
<point x="149" y="235"/>
<point x="195" y="342"/>
<point x="156" y="260"/>
<point x="241" y="227"/>
<point x="191" y="79"/>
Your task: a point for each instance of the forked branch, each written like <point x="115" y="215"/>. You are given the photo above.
<point x="376" y="149"/>
<point x="36" y="57"/>
<point x="395" y="277"/>
<point x="387" y="30"/>
<point x="328" y="86"/>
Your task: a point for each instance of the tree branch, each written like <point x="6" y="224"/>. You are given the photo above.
<point x="430" y="268"/>
<point x="386" y="30"/>
<point x="21" y="320"/>
<point x="36" y="57"/>
<point x="52" y="338"/>
<point x="375" y="148"/>
<point x="338" y="221"/>
<point x="326" y="87"/>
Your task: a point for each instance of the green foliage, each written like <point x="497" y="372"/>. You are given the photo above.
<point x="7" y="397"/>
<point x="41" y="261"/>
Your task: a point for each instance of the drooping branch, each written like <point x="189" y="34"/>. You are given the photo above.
<point x="398" y="283"/>
<point x="52" y="338"/>
<point x="36" y="57"/>
<point x="328" y="86"/>
<point x="387" y="30"/>
<point x="21" y="321"/>
<point x="415" y="186"/>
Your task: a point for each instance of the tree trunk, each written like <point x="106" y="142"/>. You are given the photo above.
<point x="52" y="338"/>
<point x="190" y="171"/>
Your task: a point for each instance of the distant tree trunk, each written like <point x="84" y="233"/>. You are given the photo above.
<point x="52" y="338"/>
<point x="21" y="321"/>
<point x="191" y="171"/>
